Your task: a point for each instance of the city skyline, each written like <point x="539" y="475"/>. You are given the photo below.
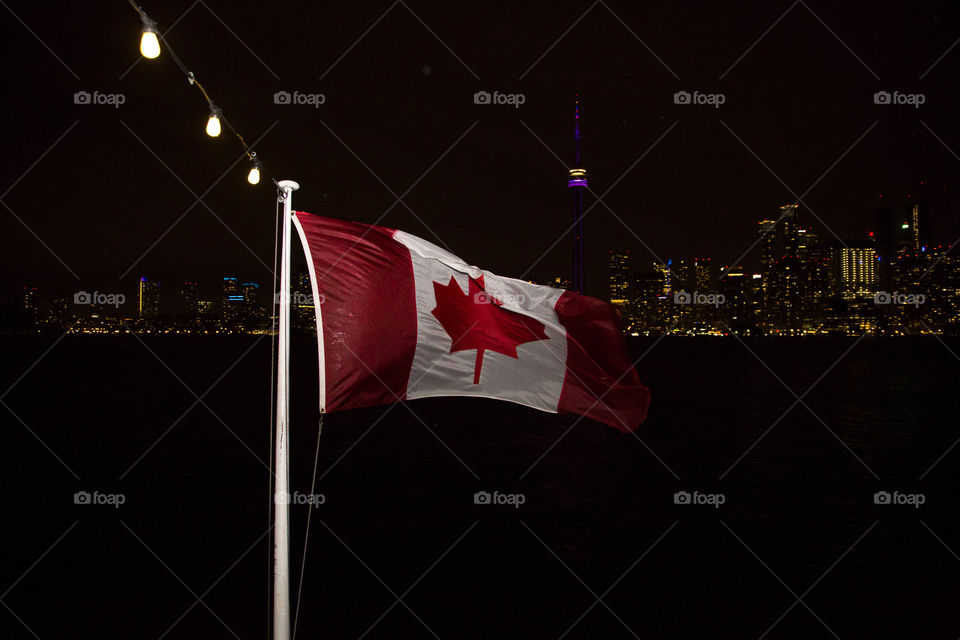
<point x="890" y="258"/>
<point x="886" y="282"/>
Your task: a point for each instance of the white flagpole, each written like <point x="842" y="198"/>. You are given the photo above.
<point x="281" y="492"/>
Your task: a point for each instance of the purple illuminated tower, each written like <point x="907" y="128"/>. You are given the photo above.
<point x="578" y="182"/>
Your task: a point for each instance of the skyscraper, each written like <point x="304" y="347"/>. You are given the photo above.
<point x="738" y="309"/>
<point x="189" y="300"/>
<point x="858" y="271"/>
<point x="250" y="291"/>
<point x="666" y="276"/>
<point x="784" y="272"/>
<point x="789" y="222"/>
<point x="693" y="274"/>
<point x="886" y="238"/>
<point x="648" y="301"/>
<point x="578" y="182"/>
<point x="148" y="298"/>
<point x="304" y="313"/>
<point x="703" y="274"/>
<point x="619" y="278"/>
<point x="232" y="302"/>
<point x="767" y="252"/>
<point x="915" y="226"/>
<point x="28" y="306"/>
<point x="252" y="312"/>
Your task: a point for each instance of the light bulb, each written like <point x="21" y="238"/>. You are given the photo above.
<point x="213" y="125"/>
<point x="254" y="176"/>
<point x="149" y="44"/>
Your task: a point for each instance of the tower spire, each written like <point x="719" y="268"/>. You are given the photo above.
<point x="576" y="131"/>
<point x="578" y="182"/>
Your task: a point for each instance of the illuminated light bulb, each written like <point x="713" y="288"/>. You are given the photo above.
<point x="149" y="43"/>
<point x="213" y="124"/>
<point x="254" y="176"/>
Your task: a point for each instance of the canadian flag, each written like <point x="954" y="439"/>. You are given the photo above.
<point x="402" y="318"/>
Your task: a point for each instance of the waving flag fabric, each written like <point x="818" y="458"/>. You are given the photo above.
<point x="402" y="318"/>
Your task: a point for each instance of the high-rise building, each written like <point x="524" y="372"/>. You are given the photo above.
<point x="858" y="271"/>
<point x="27" y="307"/>
<point x="252" y="312"/>
<point x="784" y="272"/>
<point x="814" y="260"/>
<point x="250" y="294"/>
<point x="648" y="303"/>
<point x="780" y="237"/>
<point x="795" y="274"/>
<point x="682" y="276"/>
<point x="915" y="226"/>
<point x="578" y="182"/>
<point x="942" y="309"/>
<point x="767" y="246"/>
<point x="703" y="274"/>
<point x="619" y="278"/>
<point x="189" y="298"/>
<point x="232" y="302"/>
<point x="148" y="298"/>
<point x="788" y="235"/>
<point x="735" y="286"/>
<point x="304" y="312"/>
<point x="889" y="236"/>
<point x="28" y="299"/>
<point x="693" y="275"/>
<point x="768" y="253"/>
<point x="666" y="276"/>
<point x="59" y="315"/>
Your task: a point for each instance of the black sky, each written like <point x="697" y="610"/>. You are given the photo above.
<point x="401" y="97"/>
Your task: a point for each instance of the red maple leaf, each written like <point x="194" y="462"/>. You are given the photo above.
<point x="476" y="320"/>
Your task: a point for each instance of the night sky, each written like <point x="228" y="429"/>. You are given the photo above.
<point x="486" y="181"/>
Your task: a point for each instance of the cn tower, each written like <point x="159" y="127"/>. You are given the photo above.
<point x="578" y="182"/>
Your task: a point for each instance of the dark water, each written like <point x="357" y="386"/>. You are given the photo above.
<point x="399" y="521"/>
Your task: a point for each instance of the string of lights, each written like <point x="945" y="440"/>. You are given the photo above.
<point x="150" y="39"/>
